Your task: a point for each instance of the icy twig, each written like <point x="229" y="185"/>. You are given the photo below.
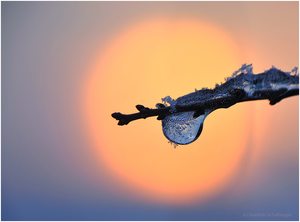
<point x="273" y="85"/>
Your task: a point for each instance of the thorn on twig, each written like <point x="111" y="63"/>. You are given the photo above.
<point x="278" y="96"/>
<point x="160" y="106"/>
<point x="141" y="108"/>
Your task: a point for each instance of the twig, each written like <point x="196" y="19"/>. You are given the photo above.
<point x="273" y="85"/>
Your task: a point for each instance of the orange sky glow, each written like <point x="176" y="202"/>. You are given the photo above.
<point x="146" y="62"/>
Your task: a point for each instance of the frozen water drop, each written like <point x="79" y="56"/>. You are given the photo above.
<point x="182" y="128"/>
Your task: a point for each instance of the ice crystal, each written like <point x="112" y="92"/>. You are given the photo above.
<point x="168" y="100"/>
<point x="295" y="71"/>
<point x="246" y="69"/>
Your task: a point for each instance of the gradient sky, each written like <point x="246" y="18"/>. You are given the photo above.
<point x="50" y="170"/>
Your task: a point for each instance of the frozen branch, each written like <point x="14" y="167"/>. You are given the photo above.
<point x="273" y="85"/>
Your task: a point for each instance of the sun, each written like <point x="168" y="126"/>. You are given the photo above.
<point x="143" y="63"/>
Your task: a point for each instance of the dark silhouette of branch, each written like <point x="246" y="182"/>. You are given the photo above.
<point x="273" y="85"/>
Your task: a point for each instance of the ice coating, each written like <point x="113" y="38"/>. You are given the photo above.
<point x="182" y="119"/>
<point x="272" y="79"/>
<point x="182" y="128"/>
<point x="185" y="127"/>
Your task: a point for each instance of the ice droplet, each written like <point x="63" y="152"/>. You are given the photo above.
<point x="183" y="128"/>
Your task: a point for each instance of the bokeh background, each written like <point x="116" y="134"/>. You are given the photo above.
<point x="66" y="66"/>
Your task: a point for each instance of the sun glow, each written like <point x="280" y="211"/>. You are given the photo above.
<point x="145" y="62"/>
